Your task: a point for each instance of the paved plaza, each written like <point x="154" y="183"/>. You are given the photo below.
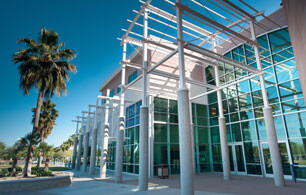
<point x="205" y="184"/>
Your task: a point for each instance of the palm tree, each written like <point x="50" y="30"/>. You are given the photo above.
<point x="47" y="119"/>
<point x="43" y="65"/>
<point x="19" y="146"/>
<point x="47" y="151"/>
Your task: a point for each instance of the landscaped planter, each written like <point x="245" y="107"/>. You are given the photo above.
<point x="35" y="183"/>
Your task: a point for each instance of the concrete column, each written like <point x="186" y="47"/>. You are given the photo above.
<point x="104" y="149"/>
<point x="93" y="151"/>
<point x="224" y="149"/>
<point x="143" y="148"/>
<point x="80" y="152"/>
<point x="119" y="150"/>
<point x="85" y="153"/>
<point x="120" y="133"/>
<point x="144" y="115"/>
<point x="94" y="141"/>
<point x="186" y="162"/>
<point x="269" y="122"/>
<point x="222" y="126"/>
<point x="75" y="147"/>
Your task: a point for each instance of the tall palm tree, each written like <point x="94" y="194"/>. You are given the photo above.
<point x="43" y="65"/>
<point x="48" y="115"/>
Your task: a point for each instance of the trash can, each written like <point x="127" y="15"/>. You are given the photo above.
<point x="163" y="172"/>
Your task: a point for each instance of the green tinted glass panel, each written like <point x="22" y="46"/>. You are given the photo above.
<point x="203" y="135"/>
<point x="247" y="114"/>
<point x="290" y="90"/>
<point x="160" y="104"/>
<point x="250" y="55"/>
<point x="160" y="133"/>
<point x="283" y="56"/>
<point x="160" y="154"/>
<point x="160" y="116"/>
<point x="236" y="132"/>
<point x="257" y="98"/>
<point x="261" y="129"/>
<point x="294" y="105"/>
<point x="249" y="131"/>
<point x="298" y="148"/>
<point x="279" y="127"/>
<point x="173" y="118"/>
<point x="217" y="156"/>
<point x="286" y="71"/>
<point x="204" y="154"/>
<point x="174" y="154"/>
<point x="251" y="152"/>
<point x="296" y="124"/>
<point x="174" y="134"/>
<point x="269" y="77"/>
<point x="279" y="40"/>
<point x="215" y="136"/>
<point x="264" y="46"/>
<point x="201" y="110"/>
<point x="238" y="54"/>
<point x="172" y="106"/>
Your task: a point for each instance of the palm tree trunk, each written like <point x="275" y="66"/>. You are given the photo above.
<point x="47" y="164"/>
<point x="27" y="166"/>
<point x="40" y="153"/>
<point x="13" y="172"/>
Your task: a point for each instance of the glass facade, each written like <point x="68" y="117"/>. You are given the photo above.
<point x="243" y="104"/>
<point x="166" y="136"/>
<point x="243" y="107"/>
<point x="131" y="142"/>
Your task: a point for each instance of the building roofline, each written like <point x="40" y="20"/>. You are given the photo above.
<point x="118" y="69"/>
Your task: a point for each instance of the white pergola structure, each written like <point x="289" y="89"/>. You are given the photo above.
<point x="76" y="140"/>
<point x="85" y="120"/>
<point x="212" y="34"/>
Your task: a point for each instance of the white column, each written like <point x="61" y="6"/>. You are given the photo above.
<point x="86" y="143"/>
<point x="144" y="115"/>
<point x="104" y="149"/>
<point x="120" y="133"/>
<point x="269" y="121"/>
<point x="94" y="141"/>
<point x="80" y="144"/>
<point x="222" y="126"/>
<point x="186" y="162"/>
<point x="75" y="144"/>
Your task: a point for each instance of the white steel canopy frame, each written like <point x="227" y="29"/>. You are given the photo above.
<point x="208" y="31"/>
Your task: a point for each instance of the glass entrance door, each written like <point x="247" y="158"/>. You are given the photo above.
<point x="237" y="162"/>
<point x="267" y="158"/>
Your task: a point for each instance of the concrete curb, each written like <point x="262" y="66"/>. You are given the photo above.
<point x="36" y="183"/>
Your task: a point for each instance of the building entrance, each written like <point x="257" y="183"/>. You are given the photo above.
<point x="237" y="161"/>
<point x="283" y="149"/>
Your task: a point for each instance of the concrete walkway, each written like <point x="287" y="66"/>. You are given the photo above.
<point x="205" y="184"/>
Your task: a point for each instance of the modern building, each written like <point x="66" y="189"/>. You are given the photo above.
<point x="247" y="139"/>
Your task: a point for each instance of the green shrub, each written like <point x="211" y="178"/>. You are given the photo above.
<point x="4" y="172"/>
<point x="18" y="169"/>
<point x="35" y="169"/>
<point x="42" y="173"/>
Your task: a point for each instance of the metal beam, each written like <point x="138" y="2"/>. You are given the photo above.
<point x="135" y="19"/>
<point x="219" y="57"/>
<point x="224" y="28"/>
<point x="162" y="60"/>
<point x="176" y="77"/>
<point x="227" y="85"/>
<point x="201" y="59"/>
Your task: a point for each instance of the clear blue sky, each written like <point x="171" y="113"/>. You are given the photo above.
<point x="88" y="26"/>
